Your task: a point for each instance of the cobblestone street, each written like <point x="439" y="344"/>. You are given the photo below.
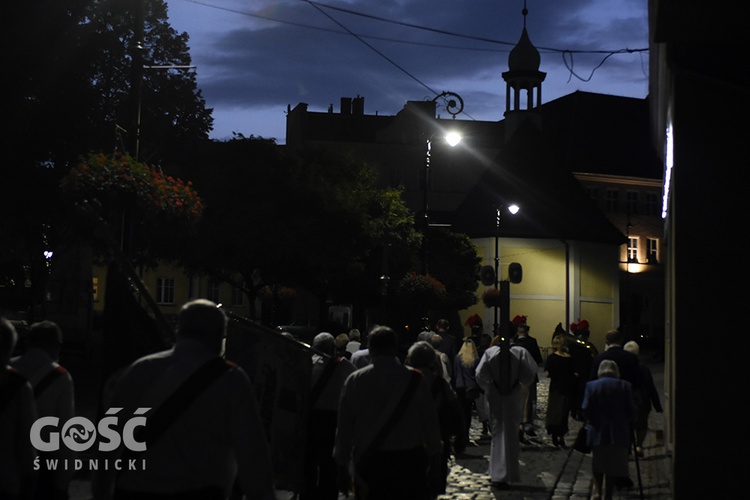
<point x="551" y="473"/>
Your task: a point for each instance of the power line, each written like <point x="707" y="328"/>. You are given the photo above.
<point x="413" y="26"/>
<point x="566" y="54"/>
<point x="399" y="67"/>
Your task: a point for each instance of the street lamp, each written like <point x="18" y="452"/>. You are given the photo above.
<point x="504" y="303"/>
<point x="505" y="289"/>
<point x="454" y="105"/>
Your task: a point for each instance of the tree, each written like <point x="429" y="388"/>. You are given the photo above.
<point x="454" y="261"/>
<point x="312" y="220"/>
<point x="67" y="90"/>
<point x="146" y="85"/>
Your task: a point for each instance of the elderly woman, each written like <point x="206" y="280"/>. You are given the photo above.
<point x="610" y="411"/>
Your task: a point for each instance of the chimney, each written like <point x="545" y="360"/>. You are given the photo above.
<point x="358" y="106"/>
<point x="346" y="105"/>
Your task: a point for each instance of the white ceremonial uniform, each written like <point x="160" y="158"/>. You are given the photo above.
<point x="505" y="410"/>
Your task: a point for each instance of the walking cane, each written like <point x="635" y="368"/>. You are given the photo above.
<point x="637" y="464"/>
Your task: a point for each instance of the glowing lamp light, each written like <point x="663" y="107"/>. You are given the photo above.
<point x="513" y="209"/>
<point x="453" y="138"/>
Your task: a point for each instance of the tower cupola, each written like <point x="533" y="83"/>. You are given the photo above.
<point x="523" y="92"/>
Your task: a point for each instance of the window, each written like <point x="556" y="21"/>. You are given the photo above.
<point x="193" y="287"/>
<point x="165" y="290"/>
<point x="632" y="249"/>
<point x="593" y="194"/>
<point x="653" y="204"/>
<point x="212" y="293"/>
<point x="238" y="296"/>
<point x="631" y="202"/>
<point x="611" y="200"/>
<point x="653" y="251"/>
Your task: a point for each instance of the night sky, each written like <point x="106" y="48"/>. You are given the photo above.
<point x="254" y="58"/>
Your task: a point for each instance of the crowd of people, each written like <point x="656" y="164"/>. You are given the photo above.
<point x="371" y="401"/>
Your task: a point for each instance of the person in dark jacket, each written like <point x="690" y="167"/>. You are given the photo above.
<point x="523" y="339"/>
<point x="467" y="389"/>
<point x="423" y="356"/>
<point x="645" y="399"/>
<point x="627" y="362"/>
<point x="610" y="411"/>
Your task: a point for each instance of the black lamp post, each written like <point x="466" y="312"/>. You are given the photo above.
<point x="454" y="105"/>
<point x="504" y="289"/>
<point x="503" y="286"/>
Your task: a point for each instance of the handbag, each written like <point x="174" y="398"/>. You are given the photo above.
<point x="580" y="443"/>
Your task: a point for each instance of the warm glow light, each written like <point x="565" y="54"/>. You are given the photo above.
<point x="453" y="138"/>
<point x="513" y="209"/>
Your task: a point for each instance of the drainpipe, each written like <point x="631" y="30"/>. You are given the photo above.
<point x="567" y="283"/>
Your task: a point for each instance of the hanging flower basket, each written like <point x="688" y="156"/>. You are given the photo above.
<point x="491" y="297"/>
<point x="121" y="183"/>
<point x="419" y="290"/>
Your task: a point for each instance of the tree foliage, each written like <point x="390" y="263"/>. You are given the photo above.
<point x="453" y="260"/>
<point x="68" y="78"/>
<point x="312" y="220"/>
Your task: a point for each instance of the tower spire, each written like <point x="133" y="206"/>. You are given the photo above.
<point x="524" y="12"/>
<point x="523" y="79"/>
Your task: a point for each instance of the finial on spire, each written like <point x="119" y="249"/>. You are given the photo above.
<point x="525" y="12"/>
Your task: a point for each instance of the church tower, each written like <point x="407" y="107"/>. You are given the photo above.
<point x="523" y="93"/>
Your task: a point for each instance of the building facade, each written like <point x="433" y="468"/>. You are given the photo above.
<point x="589" y="242"/>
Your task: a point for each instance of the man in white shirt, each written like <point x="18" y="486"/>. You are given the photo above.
<point x="217" y="438"/>
<point x="390" y="456"/>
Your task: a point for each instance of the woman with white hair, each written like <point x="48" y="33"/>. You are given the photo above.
<point x="609" y="409"/>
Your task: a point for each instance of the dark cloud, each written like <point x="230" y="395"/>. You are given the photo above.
<point x="250" y="64"/>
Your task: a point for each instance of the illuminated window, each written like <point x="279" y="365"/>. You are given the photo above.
<point x="653" y="251"/>
<point x="165" y="290"/>
<point x="632" y="249"/>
